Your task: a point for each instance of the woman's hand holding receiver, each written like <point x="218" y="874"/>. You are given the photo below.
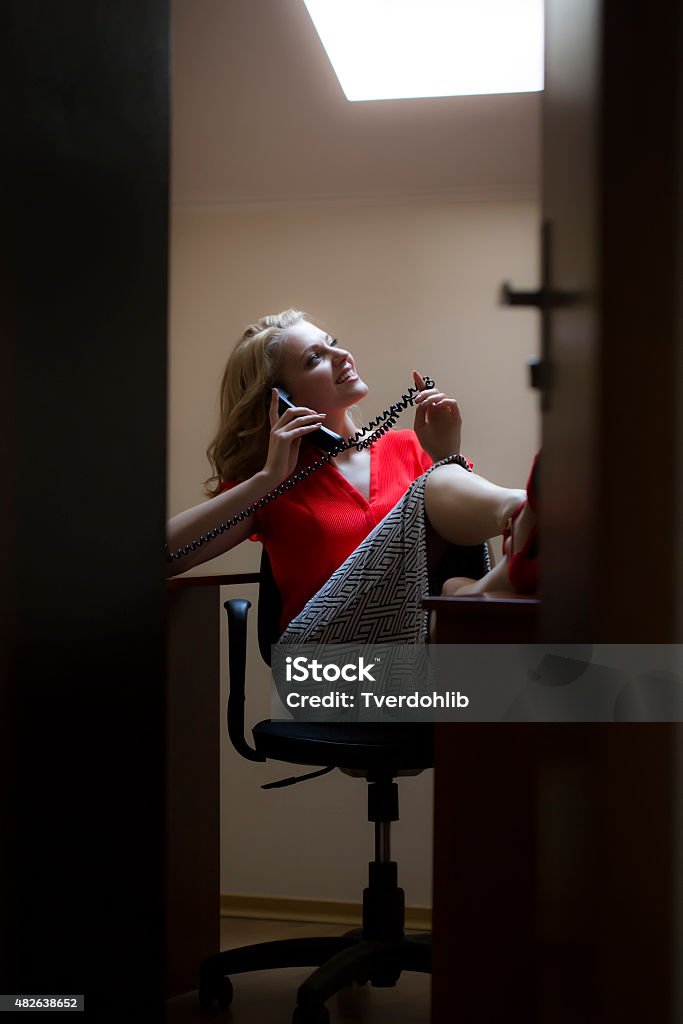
<point x="283" y="451"/>
<point x="438" y="422"/>
<point x="286" y="432"/>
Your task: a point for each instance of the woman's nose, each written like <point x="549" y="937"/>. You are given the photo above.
<point x="340" y="355"/>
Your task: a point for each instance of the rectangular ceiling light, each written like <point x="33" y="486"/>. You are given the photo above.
<point x="396" y="49"/>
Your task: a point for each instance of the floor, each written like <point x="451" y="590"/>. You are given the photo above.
<point x="270" y="997"/>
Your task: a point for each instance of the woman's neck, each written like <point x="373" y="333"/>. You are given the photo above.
<point x="341" y="423"/>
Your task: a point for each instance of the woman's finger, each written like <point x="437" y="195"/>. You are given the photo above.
<point x="444" y="401"/>
<point x="426" y="396"/>
<point x="297" y="413"/>
<point x="307" y="428"/>
<point x="431" y="400"/>
<point x="315" y="418"/>
<point x="272" y="411"/>
<point x="286" y="431"/>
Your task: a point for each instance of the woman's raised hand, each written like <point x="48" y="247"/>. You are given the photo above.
<point x="438" y="422"/>
<point x="286" y="432"/>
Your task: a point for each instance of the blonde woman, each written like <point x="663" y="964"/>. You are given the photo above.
<point x="355" y="545"/>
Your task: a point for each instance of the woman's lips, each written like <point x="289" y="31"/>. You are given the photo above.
<point x="346" y="376"/>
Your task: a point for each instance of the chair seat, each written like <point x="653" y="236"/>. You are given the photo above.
<point x="404" y="745"/>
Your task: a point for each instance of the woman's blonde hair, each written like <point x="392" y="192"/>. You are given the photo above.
<point x="240" y="446"/>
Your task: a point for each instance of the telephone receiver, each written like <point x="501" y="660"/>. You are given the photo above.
<point x="321" y="438"/>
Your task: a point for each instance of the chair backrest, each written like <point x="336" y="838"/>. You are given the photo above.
<point x="269" y="609"/>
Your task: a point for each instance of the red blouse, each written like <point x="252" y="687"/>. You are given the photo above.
<point x="310" y="530"/>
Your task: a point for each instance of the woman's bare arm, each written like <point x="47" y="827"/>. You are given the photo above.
<point x="283" y="451"/>
<point x="193" y="522"/>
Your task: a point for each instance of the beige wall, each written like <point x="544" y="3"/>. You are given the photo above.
<point x="404" y="285"/>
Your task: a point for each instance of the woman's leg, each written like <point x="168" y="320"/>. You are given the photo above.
<point x="498" y="580"/>
<point x="464" y="508"/>
<point x="519" y="540"/>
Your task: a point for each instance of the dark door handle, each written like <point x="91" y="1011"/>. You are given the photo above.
<point x="542" y="298"/>
<point x="510" y="297"/>
<point x="545" y="299"/>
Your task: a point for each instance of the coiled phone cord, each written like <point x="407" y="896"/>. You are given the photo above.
<point x="379" y="426"/>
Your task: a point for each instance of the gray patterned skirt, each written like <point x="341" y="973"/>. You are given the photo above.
<point x="375" y="595"/>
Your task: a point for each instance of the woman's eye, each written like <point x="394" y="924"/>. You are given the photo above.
<point x="314" y="356"/>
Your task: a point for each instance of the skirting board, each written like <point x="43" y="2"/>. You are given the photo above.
<point x="285" y="908"/>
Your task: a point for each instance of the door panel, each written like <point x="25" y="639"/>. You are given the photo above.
<point x="555" y="876"/>
<point x="570" y="205"/>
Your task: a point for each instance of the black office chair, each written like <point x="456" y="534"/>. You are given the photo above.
<point x="379" y="951"/>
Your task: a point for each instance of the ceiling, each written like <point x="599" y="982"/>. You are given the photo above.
<point x="259" y="116"/>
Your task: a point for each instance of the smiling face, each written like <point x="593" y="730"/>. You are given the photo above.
<point x="317" y="372"/>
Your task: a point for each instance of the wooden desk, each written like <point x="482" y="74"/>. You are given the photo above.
<point x="193" y="775"/>
<point x="484" y="834"/>
<point x="480" y="620"/>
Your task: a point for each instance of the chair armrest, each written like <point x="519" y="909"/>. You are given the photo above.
<point x="197" y="579"/>
<point x="237" y="610"/>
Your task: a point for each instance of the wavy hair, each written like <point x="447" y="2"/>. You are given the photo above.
<point x="240" y="446"/>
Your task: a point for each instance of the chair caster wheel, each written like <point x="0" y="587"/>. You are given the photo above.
<point x="219" y="989"/>
<point x="387" y="979"/>
<point x="311" y="1015"/>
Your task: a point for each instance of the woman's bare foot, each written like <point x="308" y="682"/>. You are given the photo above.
<point x="498" y="580"/>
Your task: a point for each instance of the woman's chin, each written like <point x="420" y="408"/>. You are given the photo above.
<point x="359" y="392"/>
